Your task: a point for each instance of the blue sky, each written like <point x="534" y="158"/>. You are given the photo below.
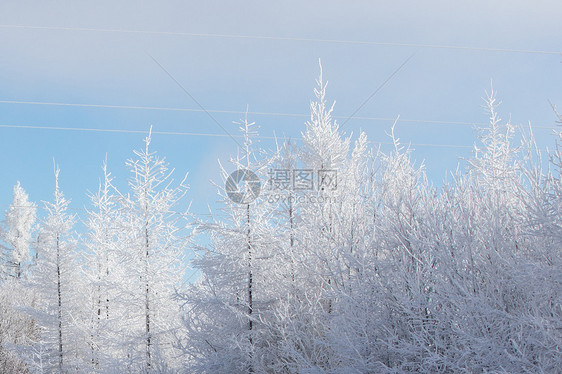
<point x="78" y="66"/>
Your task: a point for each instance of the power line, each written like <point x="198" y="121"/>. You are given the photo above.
<point x="380" y="87"/>
<point x="58" y="128"/>
<point x="194" y="99"/>
<point x="125" y="131"/>
<point x="275" y="114"/>
<point x="283" y="38"/>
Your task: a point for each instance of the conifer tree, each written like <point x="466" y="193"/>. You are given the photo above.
<point x="152" y="252"/>
<point x="55" y="283"/>
<point x="19" y="223"/>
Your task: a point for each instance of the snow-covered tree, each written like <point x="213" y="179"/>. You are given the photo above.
<point x="330" y="257"/>
<point x="17" y="235"/>
<point x="103" y="319"/>
<point x="15" y="326"/>
<point x="152" y="253"/>
<point x="56" y="284"/>
<point x="229" y="309"/>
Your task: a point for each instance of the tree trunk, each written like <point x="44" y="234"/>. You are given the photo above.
<point x="59" y="304"/>
<point x="147" y="302"/>
<point x="250" y="296"/>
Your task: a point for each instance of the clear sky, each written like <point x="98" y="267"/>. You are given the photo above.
<point x="71" y="52"/>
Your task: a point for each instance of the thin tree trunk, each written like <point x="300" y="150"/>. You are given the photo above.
<point x="147" y="302"/>
<point x="59" y="304"/>
<point x="250" y="280"/>
<point x="106" y="290"/>
<point x="291" y="237"/>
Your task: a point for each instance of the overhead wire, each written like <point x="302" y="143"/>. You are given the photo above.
<point x="283" y="38"/>
<point x="257" y="113"/>
<point x="256" y="37"/>
<point x="125" y="131"/>
<point x="199" y="134"/>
